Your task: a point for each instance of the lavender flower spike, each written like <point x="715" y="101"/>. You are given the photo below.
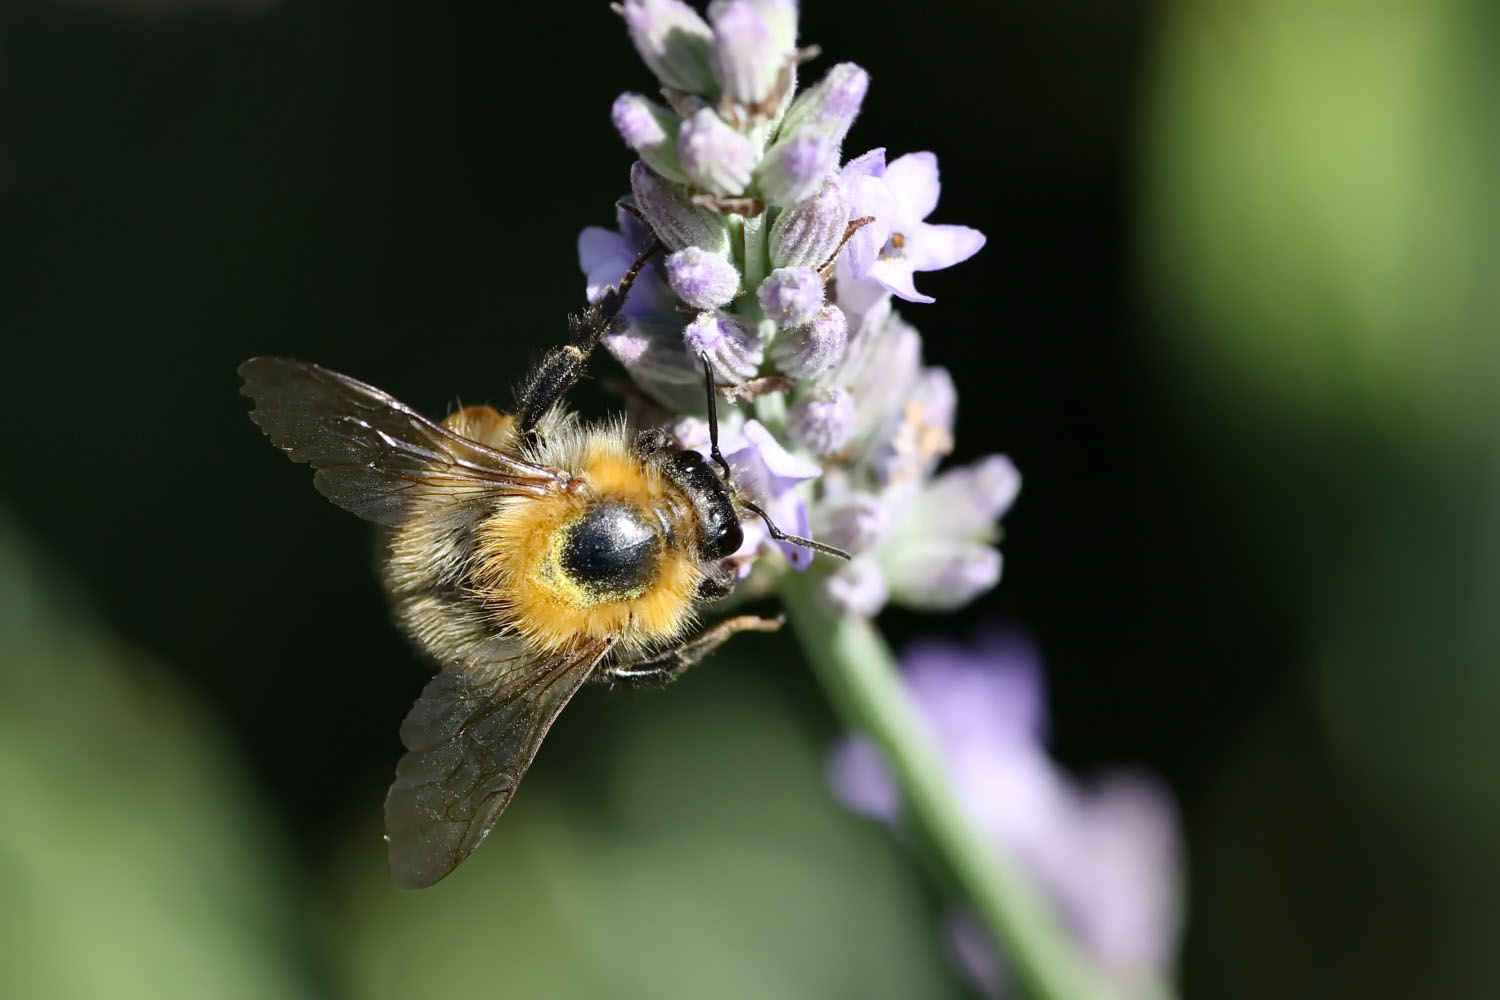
<point x="829" y="418"/>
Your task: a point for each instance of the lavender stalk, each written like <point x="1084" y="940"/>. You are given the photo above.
<point x="782" y="260"/>
<point x="859" y="673"/>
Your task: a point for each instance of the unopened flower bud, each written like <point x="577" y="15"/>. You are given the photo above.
<point x="794" y="167"/>
<point x="808" y="233"/>
<point x="813" y="349"/>
<point x="716" y="157"/>
<point x="734" y="352"/>
<point x="701" y="279"/>
<point x="780" y="16"/>
<point x="747" y="58"/>
<point x="675" y="220"/>
<point x="651" y="130"/>
<point x="940" y="575"/>
<point x="673" y="41"/>
<point x="823" y="422"/>
<point x="791" y="296"/>
<point x="829" y="107"/>
<point x="858" y="588"/>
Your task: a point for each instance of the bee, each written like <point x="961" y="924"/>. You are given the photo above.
<point x="525" y="554"/>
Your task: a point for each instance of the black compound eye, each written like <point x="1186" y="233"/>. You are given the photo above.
<point x="726" y="539"/>
<point x="612" y="549"/>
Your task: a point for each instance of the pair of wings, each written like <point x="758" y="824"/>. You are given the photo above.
<point x="477" y="726"/>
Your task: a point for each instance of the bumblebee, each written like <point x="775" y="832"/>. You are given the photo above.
<point x="525" y="554"/>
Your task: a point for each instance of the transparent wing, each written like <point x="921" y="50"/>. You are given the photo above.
<point x="471" y="736"/>
<point x="374" y="455"/>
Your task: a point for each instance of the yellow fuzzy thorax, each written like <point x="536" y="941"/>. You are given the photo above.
<point x="520" y="545"/>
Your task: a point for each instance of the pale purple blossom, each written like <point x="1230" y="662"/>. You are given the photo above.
<point x="771" y="475"/>
<point x="604" y="255"/>
<point x="740" y="179"/>
<point x="900" y="195"/>
<point x="823" y="421"/>
<point x="1105" y="853"/>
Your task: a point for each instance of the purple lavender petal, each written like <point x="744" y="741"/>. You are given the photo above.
<point x="857" y="588"/>
<point x="992" y="686"/>
<point x="1121" y="889"/>
<point x="862" y="781"/>
<point x="932" y="248"/>
<point x="600" y="255"/>
<point x="914" y="179"/>
<point x="971" y="945"/>
<point x="784" y="469"/>
<point x="941" y="575"/>
<point x="894" y="273"/>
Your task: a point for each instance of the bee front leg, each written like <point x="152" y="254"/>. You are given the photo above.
<point x="665" y="667"/>
<point x="562" y="367"/>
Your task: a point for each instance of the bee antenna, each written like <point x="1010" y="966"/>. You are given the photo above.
<point x="713" y="419"/>
<point x="782" y="536"/>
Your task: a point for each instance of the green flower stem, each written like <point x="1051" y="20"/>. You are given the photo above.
<point x="859" y="673"/>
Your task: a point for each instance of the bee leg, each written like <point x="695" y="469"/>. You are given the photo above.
<point x="563" y="366"/>
<point x="665" y="667"/>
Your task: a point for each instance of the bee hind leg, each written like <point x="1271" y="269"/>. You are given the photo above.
<point x="663" y="668"/>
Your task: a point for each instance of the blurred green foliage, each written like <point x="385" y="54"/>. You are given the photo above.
<point x="707" y="860"/>
<point x="134" y="860"/>
<point x="701" y="857"/>
<point x="1322" y="230"/>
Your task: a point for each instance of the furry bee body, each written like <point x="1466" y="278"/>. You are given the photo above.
<point x="522" y="559"/>
<point x="509" y="573"/>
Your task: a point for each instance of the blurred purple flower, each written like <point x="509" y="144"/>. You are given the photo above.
<point x="604" y="256"/>
<point x="1106" y="854"/>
